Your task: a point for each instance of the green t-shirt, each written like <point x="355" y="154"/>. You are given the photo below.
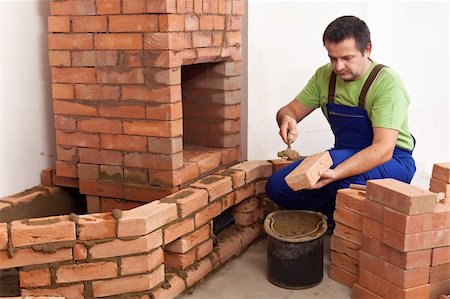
<point x="386" y="102"/>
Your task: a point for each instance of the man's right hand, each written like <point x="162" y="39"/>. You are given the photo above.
<point x="288" y="117"/>
<point x="288" y="129"/>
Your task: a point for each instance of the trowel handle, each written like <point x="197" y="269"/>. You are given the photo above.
<point x="357" y="187"/>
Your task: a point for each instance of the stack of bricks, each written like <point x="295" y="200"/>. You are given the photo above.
<point x="346" y="240"/>
<point x="123" y="76"/>
<point x="440" y="181"/>
<point x="157" y="250"/>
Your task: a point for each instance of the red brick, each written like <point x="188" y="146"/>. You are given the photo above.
<point x="154" y="161"/>
<point x="153" y="128"/>
<point x="187" y="172"/>
<point x="146" y="218"/>
<point x="101" y="188"/>
<point x="119" y="41"/>
<point x="28" y="257"/>
<point x="70" y="108"/>
<point x="130" y="284"/>
<point x="67" y="153"/>
<point x="63" y="41"/>
<point x="400" y="196"/>
<point x="42" y="230"/>
<point x="122" y="111"/>
<point x="233" y="38"/>
<point x="188" y="200"/>
<point x="248" y="218"/>
<point x="167" y="40"/>
<point x="99" y="125"/>
<point x="95" y="156"/>
<point x="79" y="252"/>
<point x="59" y="58"/>
<point x="162" y="145"/>
<point x="279" y="164"/>
<point x="404" y="260"/>
<point x="133" y="6"/>
<point x="142" y="263"/>
<point x="89" y="24"/>
<point x="439" y="186"/>
<point x="373" y="228"/>
<point x="72" y="291"/>
<point x="438" y="289"/>
<point x="348" y="218"/>
<point x="34" y="278"/>
<point x="344" y="262"/>
<point x="358" y="292"/>
<point x="440" y="272"/>
<point x="134" y="23"/>
<point x="416" y="241"/>
<point x="72" y="7"/>
<point x="66" y="169"/>
<point x="117" y="76"/>
<point x="177" y="286"/>
<point x="373" y="210"/>
<point x="165" y="112"/>
<point x="108" y="204"/>
<point x="123" y="142"/>
<point x="248" y="205"/>
<point x="83" y="58"/>
<point x="187" y="242"/>
<point x="191" y="22"/>
<point x="195" y="274"/>
<point x="254" y="169"/>
<point x="206" y="162"/>
<point x="161" y="6"/>
<point x="260" y="187"/>
<point x="171" y="22"/>
<point x="233" y="22"/>
<point x="347" y="233"/>
<point x="58" y="24"/>
<point x="180" y="261"/>
<point x="238" y="7"/>
<point x="340" y="275"/>
<point x="343" y="246"/>
<point x="215" y="185"/>
<point x="351" y="199"/>
<point x="178" y="229"/>
<point x="386" y="289"/>
<point x="249" y="233"/>
<point x="147" y="193"/>
<point x="170" y="94"/>
<point x="96" y="226"/>
<point x="85" y="271"/>
<point x="204" y="249"/>
<point x="402" y="278"/>
<point x="73" y="75"/>
<point x="108" y="7"/>
<point x="119" y="247"/>
<point x="205" y="215"/>
<point x="227" y="247"/>
<point x="64" y="181"/>
<point x="46" y="180"/>
<point x="244" y="192"/>
<point x="441" y="172"/>
<point x="97" y="92"/>
<point x="440" y="255"/>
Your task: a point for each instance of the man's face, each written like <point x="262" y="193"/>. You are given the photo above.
<point x="347" y="61"/>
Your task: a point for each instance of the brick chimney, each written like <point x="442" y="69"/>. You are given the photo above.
<point x="146" y="95"/>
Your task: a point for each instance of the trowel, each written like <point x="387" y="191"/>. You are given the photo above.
<point x="289" y="154"/>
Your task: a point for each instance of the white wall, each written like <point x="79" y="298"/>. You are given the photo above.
<point x="285" y="47"/>
<point x="26" y="126"/>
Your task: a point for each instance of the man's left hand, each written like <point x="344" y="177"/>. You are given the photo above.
<point x="326" y="177"/>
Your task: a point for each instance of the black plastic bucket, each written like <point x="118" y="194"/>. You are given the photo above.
<point x="295" y="248"/>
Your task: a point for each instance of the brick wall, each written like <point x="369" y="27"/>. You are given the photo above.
<point x="124" y="74"/>
<point x="156" y="250"/>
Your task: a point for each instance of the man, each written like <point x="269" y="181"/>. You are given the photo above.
<point x="370" y="123"/>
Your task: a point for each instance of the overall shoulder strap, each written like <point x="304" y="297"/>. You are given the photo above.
<point x="331" y="87"/>
<point x="362" y="96"/>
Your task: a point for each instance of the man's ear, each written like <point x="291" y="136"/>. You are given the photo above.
<point x="368" y="50"/>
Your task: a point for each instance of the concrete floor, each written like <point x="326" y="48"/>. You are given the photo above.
<point x="244" y="277"/>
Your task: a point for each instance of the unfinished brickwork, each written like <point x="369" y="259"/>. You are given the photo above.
<point x="156" y="250"/>
<point x="146" y="95"/>
<point x="393" y="241"/>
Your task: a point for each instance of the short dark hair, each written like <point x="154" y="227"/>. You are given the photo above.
<point x="348" y="27"/>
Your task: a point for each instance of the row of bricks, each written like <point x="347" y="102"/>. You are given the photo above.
<point x="146" y="41"/>
<point x="143" y="23"/>
<point x="112" y="7"/>
<point x="223" y="251"/>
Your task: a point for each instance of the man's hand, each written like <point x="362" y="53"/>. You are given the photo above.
<point x="288" y="117"/>
<point x="326" y="177"/>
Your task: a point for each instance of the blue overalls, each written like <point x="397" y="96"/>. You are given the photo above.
<point x="353" y="132"/>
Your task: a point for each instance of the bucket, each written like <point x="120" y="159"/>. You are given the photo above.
<point x="295" y="248"/>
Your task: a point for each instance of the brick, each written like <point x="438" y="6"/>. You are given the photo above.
<point x="191" y="22"/>
<point x="46" y="180"/>
<point x="248" y="218"/>
<point x="146" y="218"/>
<point x="238" y="7"/>
<point x="147" y="193"/>
<point x="95" y="156"/>
<point x="72" y="7"/>
<point x="345" y="262"/>
<point x="118" y="76"/>
<point x="42" y="230"/>
<point x="85" y="271"/>
<point x="97" y="92"/>
<point x="59" y="58"/>
<point x="195" y="274"/>
<point x="351" y="199"/>
<point x="441" y="172"/>
<point x="67" y="154"/>
<point x="130" y="284"/>
<point x="169" y="94"/>
<point x="125" y="247"/>
<point x="400" y="196"/>
<point x="188" y="200"/>
<point x="89" y="24"/>
<point x="133" y="6"/>
<point x="66" y="169"/>
<point x="204" y="249"/>
<point x="342" y="276"/>
<point x="70" y="108"/>
<point x="440" y="255"/>
<point x="244" y="192"/>
<point x="178" y="229"/>
<point x="177" y="286"/>
<point x="99" y="125"/>
<point x="161" y="6"/>
<point x="400" y="277"/>
<point x="373" y="228"/>
<point x="61" y="41"/>
<point x="187" y="242"/>
<point x="134" y="23"/>
<point x="108" y="7"/>
<point x="359" y="292"/>
<point x="346" y="247"/>
<point x="233" y="22"/>
<point x="167" y="40"/>
<point x="233" y="38"/>
<point x="187" y="172"/>
<point x="153" y="128"/>
<point x="73" y="75"/>
<point x="260" y="187"/>
<point x="34" y="278"/>
<point x="142" y="263"/>
<point x="306" y="174"/>
<point x="249" y="233"/>
<point x="79" y="252"/>
<point x="386" y="289"/>
<point x="180" y="261"/>
<point x="348" y="218"/>
<point x="101" y="188"/>
<point x="404" y="260"/>
<point x="28" y="257"/>
<point x="108" y="204"/>
<point x="64" y="181"/>
<point x="208" y="213"/>
<point x="440" y="272"/>
<point x="254" y="169"/>
<point x="58" y="24"/>
<point x="83" y="58"/>
<point x="123" y="142"/>
<point x="347" y="233"/>
<point x="62" y="91"/>
<point x="171" y="22"/>
<point x="437" y="289"/>
<point x="215" y="185"/>
<point x="206" y="161"/>
<point x="227" y="247"/>
<point x="416" y="241"/>
<point x="162" y="145"/>
<point x="122" y="111"/>
<point x="164" y="112"/>
<point x="248" y="205"/>
<point x="118" y="41"/>
<point x="72" y="291"/>
<point x="439" y="186"/>
<point x="96" y="226"/>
